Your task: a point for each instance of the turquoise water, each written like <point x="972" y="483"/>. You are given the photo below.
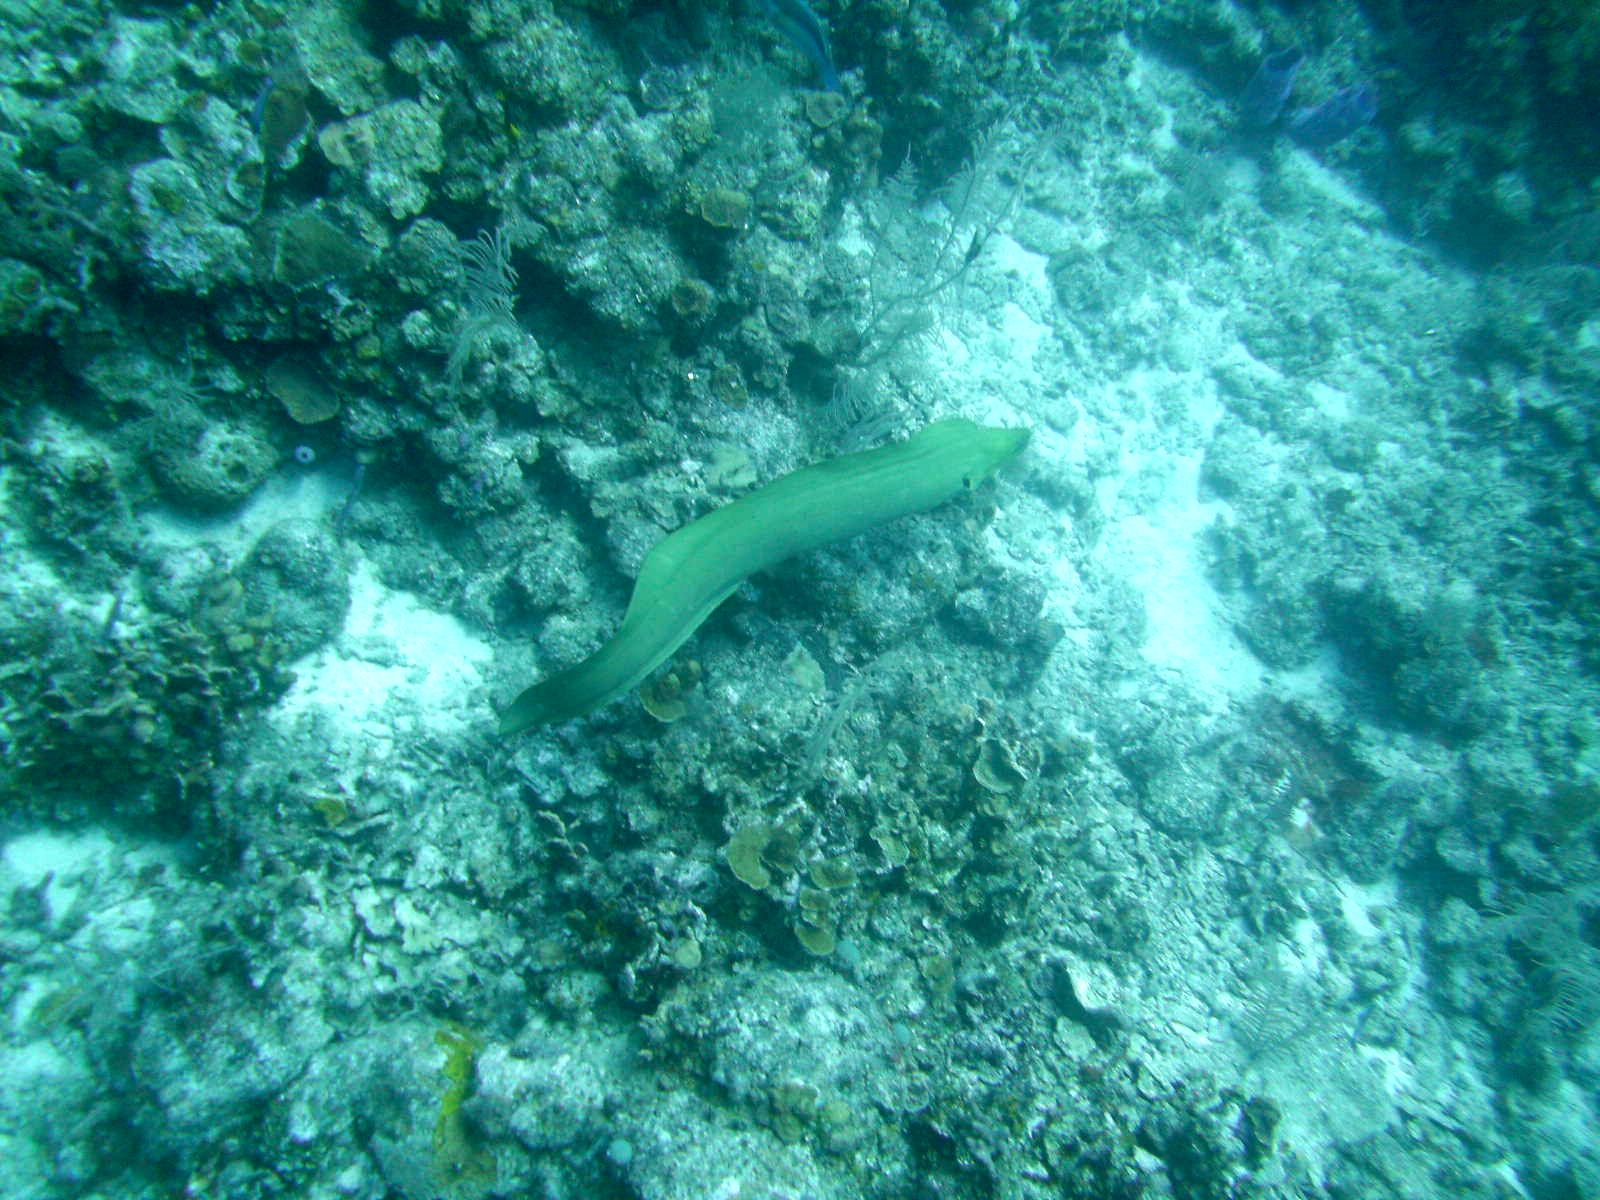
<point x="1199" y="803"/>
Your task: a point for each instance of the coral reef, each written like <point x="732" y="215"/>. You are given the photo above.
<point x="1206" y="806"/>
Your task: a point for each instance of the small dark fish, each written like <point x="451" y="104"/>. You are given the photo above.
<point x="803" y="29"/>
<point x="1336" y="118"/>
<point x="1268" y="90"/>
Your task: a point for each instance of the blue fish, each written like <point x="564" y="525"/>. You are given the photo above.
<point x="1336" y="118"/>
<point x="1268" y="90"/>
<point x="803" y="29"/>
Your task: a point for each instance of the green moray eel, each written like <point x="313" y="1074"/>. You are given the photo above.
<point x="690" y="572"/>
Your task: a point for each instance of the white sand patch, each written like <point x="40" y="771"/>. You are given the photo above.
<point x="59" y="863"/>
<point x="1358" y="901"/>
<point x="989" y="332"/>
<point x="1026" y="267"/>
<point x="70" y="870"/>
<point x="1160" y="554"/>
<point x="947" y="349"/>
<point x="397" y="666"/>
<point x="1154" y="541"/>
<point x="1022" y="331"/>
<point x="1333" y="403"/>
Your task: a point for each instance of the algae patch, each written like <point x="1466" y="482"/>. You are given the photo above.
<point x="462" y="1164"/>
